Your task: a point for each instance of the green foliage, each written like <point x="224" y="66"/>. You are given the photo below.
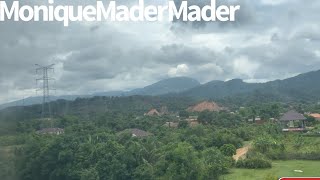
<point x="215" y="163"/>
<point x="311" y="121"/>
<point x="183" y="124"/>
<point x="221" y="137"/>
<point x="184" y="114"/>
<point x="223" y="119"/>
<point x="253" y="163"/>
<point x="180" y="161"/>
<point x="263" y="144"/>
<point x="304" y="87"/>
<point x="13" y="140"/>
<point x="96" y="146"/>
<point x="95" y="149"/>
<point x="228" y="149"/>
<point x="89" y="174"/>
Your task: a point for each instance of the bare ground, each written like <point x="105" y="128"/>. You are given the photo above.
<point x="241" y="152"/>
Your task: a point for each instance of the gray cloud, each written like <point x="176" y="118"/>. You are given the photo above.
<point x="269" y="40"/>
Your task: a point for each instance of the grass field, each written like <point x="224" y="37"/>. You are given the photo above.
<point x="279" y="169"/>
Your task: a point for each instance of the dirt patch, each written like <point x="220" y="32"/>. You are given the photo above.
<point x="205" y="106"/>
<point x="241" y="152"/>
<point x="152" y="112"/>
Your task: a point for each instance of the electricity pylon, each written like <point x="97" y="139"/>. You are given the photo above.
<point x="43" y="71"/>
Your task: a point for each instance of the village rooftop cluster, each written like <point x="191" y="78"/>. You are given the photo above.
<point x="114" y="12"/>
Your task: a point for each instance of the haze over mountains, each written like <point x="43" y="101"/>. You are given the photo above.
<point x="172" y="85"/>
<point x="302" y="87"/>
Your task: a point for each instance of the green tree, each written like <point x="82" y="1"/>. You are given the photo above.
<point x="215" y="163"/>
<point x="228" y="149"/>
<point x="184" y="114"/>
<point x="183" y="124"/>
<point x="179" y="161"/>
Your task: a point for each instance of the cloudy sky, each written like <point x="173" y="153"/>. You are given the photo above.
<point x="271" y="39"/>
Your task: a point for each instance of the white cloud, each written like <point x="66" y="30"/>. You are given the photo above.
<point x="273" y="2"/>
<point x="243" y="66"/>
<point x="180" y="70"/>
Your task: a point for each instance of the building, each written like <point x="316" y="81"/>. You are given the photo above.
<point x="193" y="121"/>
<point x="292" y="121"/>
<point x="138" y="133"/>
<point x="53" y="131"/>
<point x="171" y="124"/>
<point x="257" y="120"/>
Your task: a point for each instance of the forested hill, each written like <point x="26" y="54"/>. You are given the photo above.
<point x="171" y="85"/>
<point x="91" y="107"/>
<point x="302" y="87"/>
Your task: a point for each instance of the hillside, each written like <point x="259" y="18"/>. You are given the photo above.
<point x="219" y="89"/>
<point x="38" y="99"/>
<point x="302" y="87"/>
<point x="205" y="106"/>
<point x="166" y="86"/>
<point x="171" y="85"/>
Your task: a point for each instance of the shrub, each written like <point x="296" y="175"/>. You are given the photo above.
<point x="183" y="124"/>
<point x="228" y="149"/>
<point x="304" y="156"/>
<point x="253" y="163"/>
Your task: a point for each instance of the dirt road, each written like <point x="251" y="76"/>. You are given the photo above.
<point x="241" y="152"/>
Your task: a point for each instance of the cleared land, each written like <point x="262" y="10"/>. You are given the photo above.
<point x="279" y="169"/>
<point x="241" y="152"/>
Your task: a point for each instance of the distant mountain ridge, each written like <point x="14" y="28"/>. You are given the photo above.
<point x="38" y="99"/>
<point x="304" y="86"/>
<point x="171" y="85"/>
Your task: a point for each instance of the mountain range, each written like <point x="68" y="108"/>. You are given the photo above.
<point x="302" y="87"/>
<point x="171" y="85"/>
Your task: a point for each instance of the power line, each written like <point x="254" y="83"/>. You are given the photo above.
<point x="45" y="79"/>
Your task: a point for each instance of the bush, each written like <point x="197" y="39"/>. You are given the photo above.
<point x="304" y="156"/>
<point x="253" y="163"/>
<point x="183" y="124"/>
<point x="228" y="149"/>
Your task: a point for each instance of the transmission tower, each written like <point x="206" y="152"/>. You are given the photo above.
<point x="45" y="79"/>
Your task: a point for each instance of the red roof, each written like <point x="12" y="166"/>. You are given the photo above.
<point x="315" y="115"/>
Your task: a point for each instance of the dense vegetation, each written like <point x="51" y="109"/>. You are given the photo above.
<point x="304" y="87"/>
<point x="95" y="144"/>
<point x="95" y="150"/>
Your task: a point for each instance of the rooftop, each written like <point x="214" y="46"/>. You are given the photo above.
<point x="50" y="131"/>
<point x="139" y="133"/>
<point x="291" y="116"/>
